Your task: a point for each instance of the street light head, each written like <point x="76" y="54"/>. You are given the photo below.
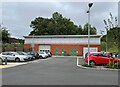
<point x="90" y="5"/>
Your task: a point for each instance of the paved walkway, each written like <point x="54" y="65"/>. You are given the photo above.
<point x="13" y="64"/>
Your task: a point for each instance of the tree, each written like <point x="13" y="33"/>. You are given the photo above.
<point x="79" y="31"/>
<point x="92" y="30"/>
<point x="4" y="34"/>
<point x="113" y="34"/>
<point x="56" y="25"/>
<point x="39" y="26"/>
<point x="114" y="37"/>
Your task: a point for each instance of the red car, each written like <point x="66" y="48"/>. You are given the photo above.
<point x="101" y="58"/>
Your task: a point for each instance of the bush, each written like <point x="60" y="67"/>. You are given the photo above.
<point x="113" y="65"/>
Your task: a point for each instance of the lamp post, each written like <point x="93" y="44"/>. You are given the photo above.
<point x="106" y="38"/>
<point x="89" y="5"/>
<point x="33" y="43"/>
<point x="106" y="27"/>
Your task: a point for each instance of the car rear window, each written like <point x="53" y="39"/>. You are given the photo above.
<point x="100" y="54"/>
<point x="95" y="54"/>
<point x="103" y="55"/>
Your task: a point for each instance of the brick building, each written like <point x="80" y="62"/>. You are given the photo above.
<point x="63" y="44"/>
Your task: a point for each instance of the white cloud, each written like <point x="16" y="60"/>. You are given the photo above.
<point x="59" y="0"/>
<point x="18" y="15"/>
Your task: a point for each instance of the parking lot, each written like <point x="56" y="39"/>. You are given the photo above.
<point x="57" y="71"/>
<point x="14" y="64"/>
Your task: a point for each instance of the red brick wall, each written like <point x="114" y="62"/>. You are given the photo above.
<point x="66" y="47"/>
<point x="29" y="46"/>
<point x="36" y="47"/>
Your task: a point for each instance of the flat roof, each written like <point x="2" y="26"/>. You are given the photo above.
<point x="61" y="36"/>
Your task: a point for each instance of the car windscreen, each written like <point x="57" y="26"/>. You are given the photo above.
<point x="41" y="52"/>
<point x="24" y="53"/>
<point x="118" y="56"/>
<point x="15" y="53"/>
<point x="20" y="53"/>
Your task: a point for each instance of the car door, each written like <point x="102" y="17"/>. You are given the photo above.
<point x="96" y="58"/>
<point x="105" y="59"/>
<point x="11" y="56"/>
<point x="4" y="55"/>
<point x="100" y="59"/>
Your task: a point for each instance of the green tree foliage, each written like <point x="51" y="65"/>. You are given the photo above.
<point x="113" y="39"/>
<point x="4" y="34"/>
<point x="57" y="25"/>
<point x="113" y="34"/>
<point x="92" y="30"/>
<point x="40" y="26"/>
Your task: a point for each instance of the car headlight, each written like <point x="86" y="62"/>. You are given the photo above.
<point x="25" y="58"/>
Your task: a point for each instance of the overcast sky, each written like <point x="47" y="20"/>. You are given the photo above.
<point x="16" y="16"/>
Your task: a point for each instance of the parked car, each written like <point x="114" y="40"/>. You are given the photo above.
<point x="42" y="54"/>
<point x="30" y="57"/>
<point x="101" y="58"/>
<point x="14" y="56"/>
<point x="48" y="53"/>
<point x="34" y="54"/>
<point x="117" y="55"/>
<point x="2" y="58"/>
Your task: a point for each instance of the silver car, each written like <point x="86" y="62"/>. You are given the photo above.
<point x="30" y="57"/>
<point x="13" y="56"/>
<point x="42" y="54"/>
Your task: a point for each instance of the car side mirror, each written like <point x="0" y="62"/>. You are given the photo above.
<point x="13" y="54"/>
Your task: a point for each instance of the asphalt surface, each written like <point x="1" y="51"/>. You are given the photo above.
<point x="57" y="71"/>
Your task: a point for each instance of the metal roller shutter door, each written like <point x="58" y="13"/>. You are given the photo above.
<point x="44" y="47"/>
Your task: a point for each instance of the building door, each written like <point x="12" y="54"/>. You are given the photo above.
<point x="44" y="48"/>
<point x="63" y="52"/>
<point x="73" y="52"/>
<point x="56" y="51"/>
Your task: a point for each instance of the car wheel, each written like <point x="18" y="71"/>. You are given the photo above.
<point x="92" y="63"/>
<point x="30" y="59"/>
<point x="41" y="57"/>
<point x="17" y="60"/>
